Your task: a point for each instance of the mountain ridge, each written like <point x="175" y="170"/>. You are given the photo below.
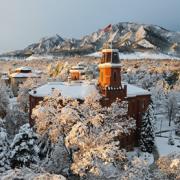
<point x="126" y="36"/>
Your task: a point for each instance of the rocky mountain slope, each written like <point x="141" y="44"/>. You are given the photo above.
<point x="127" y="37"/>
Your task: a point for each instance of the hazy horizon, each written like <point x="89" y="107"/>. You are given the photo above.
<point x="25" y="22"/>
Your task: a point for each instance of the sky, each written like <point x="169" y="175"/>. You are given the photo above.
<point x="23" y="22"/>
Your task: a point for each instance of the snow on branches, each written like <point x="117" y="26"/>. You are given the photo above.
<point x="24" y="150"/>
<point x="90" y="132"/>
<point x="170" y="165"/>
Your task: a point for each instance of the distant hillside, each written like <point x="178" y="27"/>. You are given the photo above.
<point x="127" y="37"/>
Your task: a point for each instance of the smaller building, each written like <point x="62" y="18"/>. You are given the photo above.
<point x="78" y="72"/>
<point x="5" y="78"/>
<point x="19" y="76"/>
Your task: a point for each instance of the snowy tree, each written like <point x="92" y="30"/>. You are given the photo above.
<point x="24" y="150"/>
<point x="23" y="94"/>
<point x="4" y="101"/>
<point x="59" y="71"/>
<point x="147" y="130"/>
<point x="45" y="147"/>
<point x="171" y="107"/>
<point x="4" y="151"/>
<point x="54" y="118"/>
<point x="14" y="120"/>
<point x="94" y="141"/>
<point x="59" y="159"/>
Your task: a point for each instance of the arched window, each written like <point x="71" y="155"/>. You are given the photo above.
<point x="101" y="76"/>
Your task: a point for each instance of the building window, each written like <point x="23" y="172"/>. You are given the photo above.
<point x="101" y="76"/>
<point x="143" y="105"/>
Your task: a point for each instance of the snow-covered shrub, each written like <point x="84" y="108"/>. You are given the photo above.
<point x="24" y="149"/>
<point x="170" y="139"/>
<point x="170" y="166"/>
<point x="135" y="169"/>
<point x="59" y="71"/>
<point x="28" y="174"/>
<point x="171" y="107"/>
<point x="4" y="151"/>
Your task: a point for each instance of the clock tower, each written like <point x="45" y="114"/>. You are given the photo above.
<point x="110" y="77"/>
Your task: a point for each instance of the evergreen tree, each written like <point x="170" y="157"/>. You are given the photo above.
<point x="147" y="130"/>
<point x="4" y="151"/>
<point x="4" y="100"/>
<point x="24" y="150"/>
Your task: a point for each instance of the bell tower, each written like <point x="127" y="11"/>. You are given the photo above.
<point x="110" y="77"/>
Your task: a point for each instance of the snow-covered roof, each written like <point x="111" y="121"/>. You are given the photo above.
<point x="80" y="89"/>
<point x="133" y="91"/>
<point x="24" y="75"/>
<point x="25" y="68"/>
<point x="110" y="50"/>
<point x="75" y="90"/>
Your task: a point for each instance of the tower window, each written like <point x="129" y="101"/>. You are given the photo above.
<point x="115" y="76"/>
<point x="115" y="58"/>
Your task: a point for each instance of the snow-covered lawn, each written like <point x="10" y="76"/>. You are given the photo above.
<point x="162" y="123"/>
<point x="165" y="149"/>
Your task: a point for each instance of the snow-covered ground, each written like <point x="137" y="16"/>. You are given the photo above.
<point x="35" y="57"/>
<point x="161" y="139"/>
<point x="139" y="55"/>
<point x="165" y="149"/>
<point x="142" y="155"/>
<point x="12" y="102"/>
